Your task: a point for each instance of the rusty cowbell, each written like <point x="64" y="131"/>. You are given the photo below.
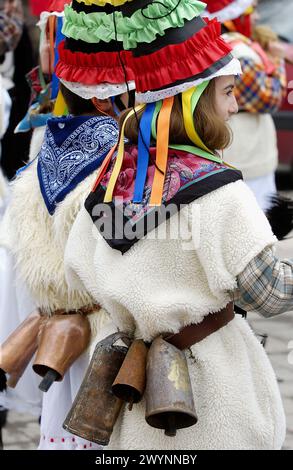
<point x="129" y="384"/>
<point x="169" y="398"/>
<point x="95" y="409"/>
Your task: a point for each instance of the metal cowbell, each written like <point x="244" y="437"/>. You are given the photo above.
<point x="62" y="340"/>
<point x="19" y="348"/>
<point x="169" y="398"/>
<point x="95" y="408"/>
<point x="129" y="384"/>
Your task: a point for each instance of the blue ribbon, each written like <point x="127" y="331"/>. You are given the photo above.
<point x="144" y="139"/>
<point x="59" y="38"/>
<point x="116" y="110"/>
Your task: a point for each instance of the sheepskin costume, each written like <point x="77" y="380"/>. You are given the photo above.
<point x="162" y="284"/>
<point x="35" y="227"/>
<point x="186" y="268"/>
<point x="37" y="241"/>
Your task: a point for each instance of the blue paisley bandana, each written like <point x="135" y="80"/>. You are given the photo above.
<point x="73" y="148"/>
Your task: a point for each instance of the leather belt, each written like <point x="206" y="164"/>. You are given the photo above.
<point x="86" y="310"/>
<point x="195" y="333"/>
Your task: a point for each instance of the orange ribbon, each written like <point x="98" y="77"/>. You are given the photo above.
<point x="162" y="151"/>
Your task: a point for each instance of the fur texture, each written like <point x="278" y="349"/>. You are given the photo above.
<point x="160" y="286"/>
<point x="38" y="239"/>
<point x="3" y="190"/>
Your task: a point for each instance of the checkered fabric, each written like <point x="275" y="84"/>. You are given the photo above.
<point x="257" y="92"/>
<point x="266" y="285"/>
<point x="11" y="24"/>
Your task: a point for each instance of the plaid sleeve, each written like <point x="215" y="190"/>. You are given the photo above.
<point x="257" y="92"/>
<point x="266" y="285"/>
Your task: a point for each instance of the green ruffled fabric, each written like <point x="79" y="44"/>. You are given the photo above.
<point x="96" y="27"/>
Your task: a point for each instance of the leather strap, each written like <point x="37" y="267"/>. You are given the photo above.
<point x="195" y="333"/>
<point x="87" y="310"/>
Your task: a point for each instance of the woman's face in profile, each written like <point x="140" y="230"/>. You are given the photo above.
<point x="226" y="104"/>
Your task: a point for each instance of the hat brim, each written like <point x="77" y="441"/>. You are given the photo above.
<point x="230" y="12"/>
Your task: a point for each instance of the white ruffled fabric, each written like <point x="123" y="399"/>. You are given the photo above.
<point x="42" y="23"/>
<point x="232" y="68"/>
<point x="232" y="11"/>
<point x="103" y="91"/>
<point x="106" y="90"/>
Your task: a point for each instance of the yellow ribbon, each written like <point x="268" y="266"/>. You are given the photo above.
<point x="162" y="152"/>
<point x="119" y="159"/>
<point x="60" y="108"/>
<point x="249" y="10"/>
<point x="190" y="99"/>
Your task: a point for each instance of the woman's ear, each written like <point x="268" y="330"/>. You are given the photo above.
<point x="103" y="106"/>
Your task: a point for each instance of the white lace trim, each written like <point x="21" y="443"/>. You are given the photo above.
<point x="45" y="15"/>
<point x="66" y="442"/>
<point x="102" y="91"/>
<point x="230" y="12"/>
<point x="232" y="68"/>
<point x="106" y="90"/>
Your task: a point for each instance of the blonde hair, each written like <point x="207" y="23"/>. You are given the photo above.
<point x="213" y="130"/>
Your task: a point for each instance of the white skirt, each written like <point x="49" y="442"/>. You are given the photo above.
<point x="56" y="405"/>
<point x="15" y="305"/>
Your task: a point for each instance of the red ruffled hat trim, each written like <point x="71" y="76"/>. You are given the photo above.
<point x="58" y="5"/>
<point x="92" y="69"/>
<point x="180" y="61"/>
<point x="217" y="5"/>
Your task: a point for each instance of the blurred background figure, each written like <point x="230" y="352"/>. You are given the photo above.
<point x="5" y="106"/>
<point x="278" y="15"/>
<point x="11" y="25"/>
<point x="15" y="62"/>
<point x="17" y="57"/>
<point x="260" y="91"/>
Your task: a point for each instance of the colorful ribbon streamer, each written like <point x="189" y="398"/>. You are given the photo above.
<point x="119" y="159"/>
<point x="190" y="99"/>
<point x="144" y="140"/>
<point x="162" y="152"/>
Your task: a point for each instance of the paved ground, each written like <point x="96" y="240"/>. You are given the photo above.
<point x="22" y="430"/>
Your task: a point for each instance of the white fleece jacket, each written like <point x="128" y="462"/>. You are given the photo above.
<point x="160" y="286"/>
<point x="37" y="239"/>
